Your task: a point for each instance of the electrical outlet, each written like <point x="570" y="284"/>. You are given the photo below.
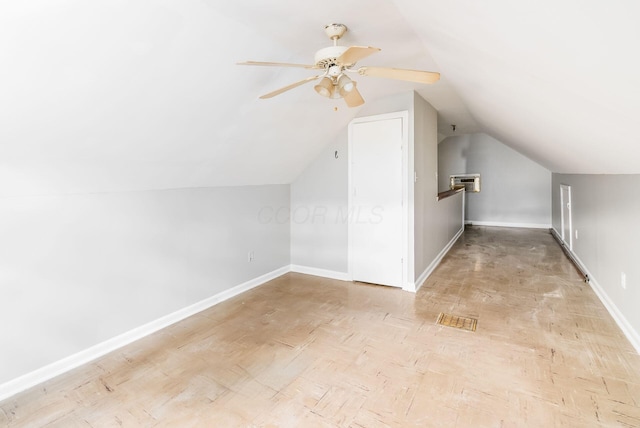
<point x="623" y="280"/>
<point x="250" y="256"/>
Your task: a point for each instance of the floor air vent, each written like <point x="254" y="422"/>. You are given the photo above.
<point x="457" y="322"/>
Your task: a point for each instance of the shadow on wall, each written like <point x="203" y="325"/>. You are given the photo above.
<point x="453" y="153"/>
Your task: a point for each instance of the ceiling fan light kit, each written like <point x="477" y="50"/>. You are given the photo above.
<point x="337" y="60"/>
<point x="325" y="87"/>
<point x="345" y="84"/>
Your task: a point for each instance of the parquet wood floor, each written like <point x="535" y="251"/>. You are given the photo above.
<point x="304" y="351"/>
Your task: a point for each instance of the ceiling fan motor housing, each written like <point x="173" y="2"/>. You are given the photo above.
<point x="326" y="57"/>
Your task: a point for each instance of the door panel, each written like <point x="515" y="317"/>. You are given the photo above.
<point x="565" y="206"/>
<point x="377" y="212"/>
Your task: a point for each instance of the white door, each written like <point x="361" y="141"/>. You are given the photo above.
<point x="376" y="204"/>
<point x="565" y="215"/>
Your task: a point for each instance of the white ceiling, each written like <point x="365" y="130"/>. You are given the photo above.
<point x="112" y="95"/>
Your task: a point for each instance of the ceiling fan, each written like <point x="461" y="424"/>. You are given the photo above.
<point x="336" y="61"/>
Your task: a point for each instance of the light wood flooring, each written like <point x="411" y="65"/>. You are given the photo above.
<point x="303" y="351"/>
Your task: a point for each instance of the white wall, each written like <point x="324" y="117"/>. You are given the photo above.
<point x="605" y="212"/>
<point x="515" y="191"/>
<point x="319" y="211"/>
<point x="436" y="223"/>
<point x="77" y="270"/>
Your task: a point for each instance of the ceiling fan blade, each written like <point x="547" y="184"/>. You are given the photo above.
<point x="353" y="97"/>
<point x="354" y="54"/>
<point x="400" y="74"/>
<point x="276" y="64"/>
<point x="291" y="86"/>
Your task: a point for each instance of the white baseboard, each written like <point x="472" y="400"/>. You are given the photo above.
<point x="342" y="276"/>
<point x="503" y="224"/>
<point x="52" y="370"/>
<point x="632" y="335"/>
<point x="618" y="317"/>
<point x="429" y="270"/>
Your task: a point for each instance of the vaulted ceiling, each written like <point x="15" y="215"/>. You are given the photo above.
<point x="127" y="95"/>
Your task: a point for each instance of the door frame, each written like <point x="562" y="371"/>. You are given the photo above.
<point x="568" y="242"/>
<point x="404" y="115"/>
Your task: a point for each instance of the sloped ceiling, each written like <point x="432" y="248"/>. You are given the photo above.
<point x="555" y="80"/>
<point x="119" y="95"/>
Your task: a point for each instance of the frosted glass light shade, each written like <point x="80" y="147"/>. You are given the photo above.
<point x="324" y="87"/>
<point x="345" y="85"/>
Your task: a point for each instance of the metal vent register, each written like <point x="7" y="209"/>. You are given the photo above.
<point x="463" y="323"/>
